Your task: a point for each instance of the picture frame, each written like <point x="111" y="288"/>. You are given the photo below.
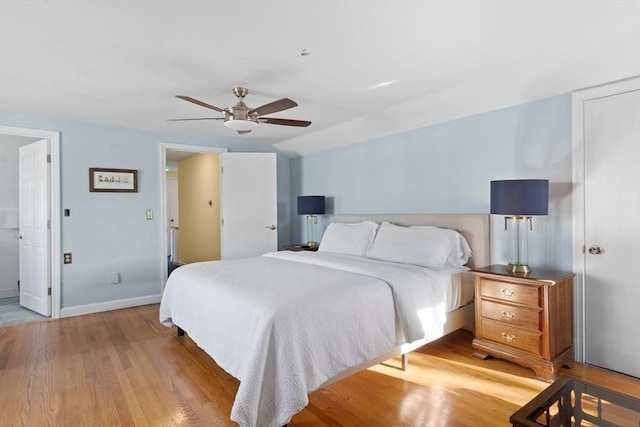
<point x="109" y="180"/>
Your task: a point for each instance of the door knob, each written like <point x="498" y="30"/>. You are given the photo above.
<point x="595" y="250"/>
<point x="271" y="227"/>
<point x="19" y="236"/>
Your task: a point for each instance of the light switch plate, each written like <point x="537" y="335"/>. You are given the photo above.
<point x="149" y="213"/>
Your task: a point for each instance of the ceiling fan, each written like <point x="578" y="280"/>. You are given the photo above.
<point x="242" y="118"/>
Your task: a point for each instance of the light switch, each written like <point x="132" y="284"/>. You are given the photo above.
<point x="149" y="213"/>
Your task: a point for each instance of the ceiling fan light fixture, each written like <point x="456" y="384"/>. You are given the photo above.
<point x="244" y="119"/>
<point x="241" y="124"/>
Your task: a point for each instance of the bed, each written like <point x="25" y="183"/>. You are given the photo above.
<point x="287" y="323"/>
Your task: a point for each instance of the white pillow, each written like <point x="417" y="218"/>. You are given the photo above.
<point x="348" y="239"/>
<point x="425" y="246"/>
<point x="461" y="252"/>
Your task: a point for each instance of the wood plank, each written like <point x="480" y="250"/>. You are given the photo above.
<point x="122" y="368"/>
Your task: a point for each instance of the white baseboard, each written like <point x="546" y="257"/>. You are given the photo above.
<point x="8" y="293"/>
<point x="109" y="305"/>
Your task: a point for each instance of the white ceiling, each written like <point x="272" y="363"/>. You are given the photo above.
<point x="121" y="62"/>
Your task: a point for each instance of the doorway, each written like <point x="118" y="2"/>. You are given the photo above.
<point x="170" y="155"/>
<point x="248" y="202"/>
<point x="52" y="139"/>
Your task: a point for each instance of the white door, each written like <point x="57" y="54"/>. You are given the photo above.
<point x="248" y="204"/>
<point x="34" y="233"/>
<point x="612" y="232"/>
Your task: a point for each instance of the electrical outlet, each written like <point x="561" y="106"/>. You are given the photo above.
<point x="67" y="258"/>
<point x="149" y="213"/>
<point x="114" y="278"/>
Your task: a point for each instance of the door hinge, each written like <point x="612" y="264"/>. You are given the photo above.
<point x="222" y="222"/>
<point x="49" y="224"/>
<point x="49" y="291"/>
<point x="48" y="158"/>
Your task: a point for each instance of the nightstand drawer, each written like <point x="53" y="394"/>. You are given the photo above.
<point x="526" y="318"/>
<point x="513" y="292"/>
<point x="513" y="337"/>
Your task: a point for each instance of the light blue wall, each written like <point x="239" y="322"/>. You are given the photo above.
<point x="437" y="169"/>
<point x="108" y="232"/>
<point x="446" y="168"/>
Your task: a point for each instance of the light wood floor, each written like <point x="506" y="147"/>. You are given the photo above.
<point x="122" y="368"/>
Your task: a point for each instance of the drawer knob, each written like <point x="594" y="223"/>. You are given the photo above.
<point x="508" y="314"/>
<point x="508" y="337"/>
<point x="508" y="292"/>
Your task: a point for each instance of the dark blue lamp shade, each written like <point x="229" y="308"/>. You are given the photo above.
<point x="524" y="197"/>
<point x="310" y="205"/>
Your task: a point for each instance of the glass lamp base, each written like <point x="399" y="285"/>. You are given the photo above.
<point x="311" y="238"/>
<point x="519" y="233"/>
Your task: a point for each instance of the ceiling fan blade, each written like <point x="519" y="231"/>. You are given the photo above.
<point x="202" y="118"/>
<point x="284" y="122"/>
<point x="200" y="103"/>
<point x="274" y="107"/>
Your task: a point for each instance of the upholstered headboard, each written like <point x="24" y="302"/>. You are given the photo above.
<point x="474" y="227"/>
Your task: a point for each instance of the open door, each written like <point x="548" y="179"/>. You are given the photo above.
<point x="34" y="235"/>
<point x="249" y="205"/>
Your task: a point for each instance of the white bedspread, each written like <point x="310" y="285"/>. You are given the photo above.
<point x="284" y="323"/>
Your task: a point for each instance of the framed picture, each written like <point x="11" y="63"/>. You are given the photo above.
<point x="113" y="180"/>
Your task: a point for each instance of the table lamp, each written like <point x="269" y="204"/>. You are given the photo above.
<point x="519" y="200"/>
<point x="311" y="206"/>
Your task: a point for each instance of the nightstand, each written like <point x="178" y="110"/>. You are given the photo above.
<point x="526" y="319"/>
<point x="298" y="248"/>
